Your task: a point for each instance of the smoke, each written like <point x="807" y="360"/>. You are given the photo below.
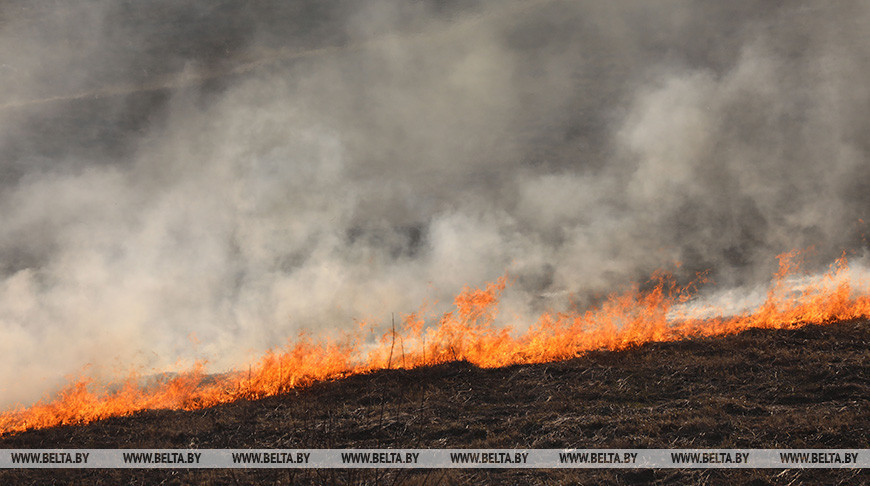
<point x="188" y="180"/>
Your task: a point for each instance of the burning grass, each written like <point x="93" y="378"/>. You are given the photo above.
<point x="805" y="387"/>
<point x="465" y="334"/>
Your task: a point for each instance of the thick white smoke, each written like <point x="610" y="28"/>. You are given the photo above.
<point x="196" y="180"/>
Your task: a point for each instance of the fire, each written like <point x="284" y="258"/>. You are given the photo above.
<point x="466" y="333"/>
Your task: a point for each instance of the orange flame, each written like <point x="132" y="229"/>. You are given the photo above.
<point x="467" y="333"/>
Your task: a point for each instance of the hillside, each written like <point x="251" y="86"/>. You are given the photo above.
<point x="800" y="388"/>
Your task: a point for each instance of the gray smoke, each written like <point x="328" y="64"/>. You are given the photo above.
<point x="193" y="179"/>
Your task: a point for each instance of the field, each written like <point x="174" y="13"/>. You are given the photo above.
<point x="806" y="387"/>
<point x="198" y="181"/>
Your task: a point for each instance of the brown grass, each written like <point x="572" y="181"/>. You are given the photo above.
<point x="802" y="388"/>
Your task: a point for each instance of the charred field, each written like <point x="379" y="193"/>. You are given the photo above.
<point x="807" y="387"/>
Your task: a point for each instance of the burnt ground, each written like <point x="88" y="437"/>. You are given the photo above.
<point x="803" y="388"/>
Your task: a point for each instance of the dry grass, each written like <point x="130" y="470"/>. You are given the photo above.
<point x="802" y="388"/>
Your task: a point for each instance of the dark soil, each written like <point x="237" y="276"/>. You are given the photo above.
<point x="802" y="388"/>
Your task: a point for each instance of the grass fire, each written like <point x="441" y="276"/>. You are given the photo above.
<point x="435" y="223"/>
<point x="464" y="334"/>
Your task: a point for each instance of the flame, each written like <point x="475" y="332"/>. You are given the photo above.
<point x="466" y="333"/>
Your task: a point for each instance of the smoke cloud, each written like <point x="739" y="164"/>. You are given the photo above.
<point x="196" y="179"/>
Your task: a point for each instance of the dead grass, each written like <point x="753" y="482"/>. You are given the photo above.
<point x="801" y="388"/>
